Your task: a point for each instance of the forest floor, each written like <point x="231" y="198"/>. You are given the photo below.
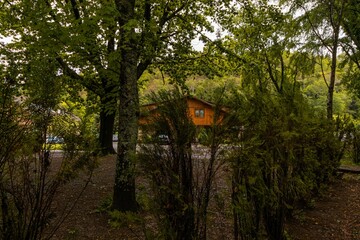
<point x="333" y="215"/>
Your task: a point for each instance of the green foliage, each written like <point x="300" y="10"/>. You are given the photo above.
<point x="285" y="149"/>
<point x="315" y="91"/>
<point x="351" y="43"/>
<point x="136" y="222"/>
<point x="105" y="205"/>
<point x="29" y="182"/>
<point x="182" y="174"/>
<point x="170" y="167"/>
<point x="124" y="219"/>
<point x="356" y="148"/>
<point x="210" y="89"/>
<point x="287" y="152"/>
<point x="132" y="221"/>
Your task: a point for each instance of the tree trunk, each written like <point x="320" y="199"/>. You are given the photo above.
<point x="124" y="188"/>
<point x="106" y="132"/>
<point x="336" y="15"/>
<point x="330" y="96"/>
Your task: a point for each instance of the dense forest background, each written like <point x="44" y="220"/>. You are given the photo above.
<point x="74" y="73"/>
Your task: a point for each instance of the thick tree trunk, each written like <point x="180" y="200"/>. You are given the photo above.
<point x="106" y="132"/>
<point x="108" y="101"/>
<point x="124" y="188"/>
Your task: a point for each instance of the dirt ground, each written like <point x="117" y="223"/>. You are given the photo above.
<point x="335" y="215"/>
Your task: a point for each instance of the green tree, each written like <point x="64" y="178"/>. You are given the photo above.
<point x="321" y="23"/>
<point x="352" y="29"/>
<point x="81" y="38"/>
<point x="351" y="46"/>
<point x="264" y="46"/>
<point x="267" y="172"/>
<point x="315" y="90"/>
<point x="148" y="32"/>
<point x="171" y="171"/>
<point x="107" y="46"/>
<point x="28" y="185"/>
<point x="182" y="174"/>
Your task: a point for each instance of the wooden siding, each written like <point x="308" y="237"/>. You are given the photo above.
<point x="193" y="105"/>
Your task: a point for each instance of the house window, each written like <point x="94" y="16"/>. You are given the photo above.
<point x="199" y="113"/>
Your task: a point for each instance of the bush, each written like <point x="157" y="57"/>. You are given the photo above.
<point x="181" y="184"/>
<point x="28" y="182"/>
<point x="286" y="154"/>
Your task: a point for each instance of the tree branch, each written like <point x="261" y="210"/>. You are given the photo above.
<point x="91" y="85"/>
<point x="323" y="73"/>
<point x="271" y="74"/>
<point x="147" y="32"/>
<point x="166" y="17"/>
<point x="75" y="9"/>
<point x="282" y="71"/>
<point x="314" y="29"/>
<point x="352" y="54"/>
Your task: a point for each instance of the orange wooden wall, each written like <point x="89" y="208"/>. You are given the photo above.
<point x="193" y="105"/>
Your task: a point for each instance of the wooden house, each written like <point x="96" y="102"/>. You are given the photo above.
<point x="200" y="111"/>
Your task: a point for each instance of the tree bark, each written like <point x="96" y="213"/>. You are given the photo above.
<point x="106" y="132"/>
<point x="330" y="97"/>
<point x="336" y="15"/>
<point x="124" y="187"/>
<point x="124" y="198"/>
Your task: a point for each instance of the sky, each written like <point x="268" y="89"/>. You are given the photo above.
<point x="5" y="39"/>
